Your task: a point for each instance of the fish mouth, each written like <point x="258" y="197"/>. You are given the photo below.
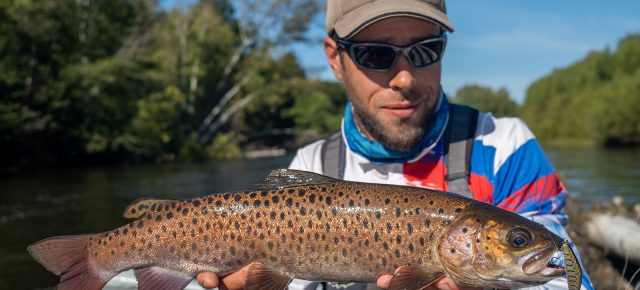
<point x="540" y="263"/>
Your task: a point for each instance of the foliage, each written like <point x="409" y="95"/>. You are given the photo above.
<point x="594" y="99"/>
<point x="486" y="100"/>
<point x="122" y="81"/>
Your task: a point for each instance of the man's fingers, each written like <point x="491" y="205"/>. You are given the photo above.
<point x="383" y="281"/>
<point x="208" y="280"/>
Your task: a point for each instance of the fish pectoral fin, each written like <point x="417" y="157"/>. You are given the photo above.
<point x="139" y="207"/>
<point x="411" y="278"/>
<point x="160" y="278"/>
<point x="261" y="277"/>
<point x="281" y="178"/>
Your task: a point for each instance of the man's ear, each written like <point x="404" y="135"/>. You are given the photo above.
<point x="332" y="52"/>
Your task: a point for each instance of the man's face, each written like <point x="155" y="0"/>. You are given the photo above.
<point x="390" y="107"/>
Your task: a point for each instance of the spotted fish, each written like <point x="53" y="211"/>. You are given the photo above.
<point x="572" y="267"/>
<point x="303" y="225"/>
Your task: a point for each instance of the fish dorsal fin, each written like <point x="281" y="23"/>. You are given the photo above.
<point x="281" y="178"/>
<point x="139" y="207"/>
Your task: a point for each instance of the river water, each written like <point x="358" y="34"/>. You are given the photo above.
<point x="61" y="202"/>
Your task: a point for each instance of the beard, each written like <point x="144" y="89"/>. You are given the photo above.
<point x="396" y="134"/>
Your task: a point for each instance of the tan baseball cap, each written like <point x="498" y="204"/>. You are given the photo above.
<point x="348" y="17"/>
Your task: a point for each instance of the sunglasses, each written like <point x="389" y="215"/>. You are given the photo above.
<point x="382" y="56"/>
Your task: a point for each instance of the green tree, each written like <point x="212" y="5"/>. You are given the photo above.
<point x="487" y="100"/>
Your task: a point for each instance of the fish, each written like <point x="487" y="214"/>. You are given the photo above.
<point x="302" y="225"/>
<point x="572" y="267"/>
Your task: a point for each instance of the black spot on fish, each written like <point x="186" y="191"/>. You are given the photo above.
<point x="275" y="199"/>
<point x="384" y="262"/>
<point x="245" y="203"/>
<point x="253" y="194"/>
<point x="312" y="198"/>
<point x="328" y="200"/>
<point x="365" y="222"/>
<point x="431" y="237"/>
<point x="121" y="243"/>
<point x="319" y="214"/>
<point x="376" y="237"/>
<point x="310" y="224"/>
<point x="181" y="224"/>
<point x="336" y="240"/>
<point x="282" y="216"/>
<point x="226" y="196"/>
<point x="273" y="215"/>
<point x="207" y="226"/>
<point x="427" y="223"/>
<point x="149" y="230"/>
<point x="453" y="251"/>
<point x="389" y="228"/>
<point x="256" y="203"/>
<point x="301" y="192"/>
<point x="399" y="239"/>
<point x="237" y="197"/>
<point x="340" y="194"/>
<point x="417" y="210"/>
<point x="289" y="202"/>
<point x="196" y="203"/>
<point x="385" y="245"/>
<point x="195" y="221"/>
<point x="259" y="225"/>
<point x="406" y="200"/>
<point x="236" y="224"/>
<point x="397" y="212"/>
<point x="370" y="257"/>
<point x="431" y="202"/>
<point x="458" y="210"/>
<point x="350" y="240"/>
<point x="351" y="203"/>
<point x="366" y="201"/>
<point x="366" y="243"/>
<point x="464" y="230"/>
<point x="140" y="224"/>
<point x="397" y="252"/>
<point x="344" y="252"/>
<point x="204" y="211"/>
<point x="264" y="193"/>
<point x="378" y="214"/>
<point x="421" y="241"/>
<point x="410" y="247"/>
<point x="387" y="201"/>
<point x="290" y="224"/>
<point x="409" y="228"/>
<point x="334" y="211"/>
<point x="223" y="214"/>
<point x="185" y="211"/>
<point x="303" y="211"/>
<point x="270" y="246"/>
<point x="232" y="250"/>
<point x="488" y="238"/>
<point x="218" y="203"/>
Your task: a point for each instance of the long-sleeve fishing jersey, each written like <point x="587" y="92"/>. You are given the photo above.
<point x="508" y="169"/>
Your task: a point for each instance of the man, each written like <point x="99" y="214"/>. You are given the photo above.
<point x="387" y="53"/>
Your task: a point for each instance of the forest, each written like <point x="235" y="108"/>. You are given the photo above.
<point x="98" y="82"/>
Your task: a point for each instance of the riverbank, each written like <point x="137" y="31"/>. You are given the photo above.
<point x="607" y="269"/>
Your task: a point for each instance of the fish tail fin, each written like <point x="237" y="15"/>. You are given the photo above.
<point x="65" y="257"/>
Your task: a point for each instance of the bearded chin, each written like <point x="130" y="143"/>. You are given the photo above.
<point x="402" y="135"/>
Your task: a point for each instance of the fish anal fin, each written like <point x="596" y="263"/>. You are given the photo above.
<point x="157" y="278"/>
<point x="261" y="277"/>
<point x="65" y="257"/>
<point x="411" y="278"/>
<point x="139" y="207"/>
<point x="281" y="178"/>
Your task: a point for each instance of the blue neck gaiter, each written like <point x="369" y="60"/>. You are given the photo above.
<point x="377" y="153"/>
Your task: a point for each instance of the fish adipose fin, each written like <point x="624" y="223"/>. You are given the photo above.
<point x="410" y="278"/>
<point x="281" y="178"/>
<point x="156" y="278"/>
<point x="260" y="277"/>
<point x="65" y="257"/>
<point x="139" y="207"/>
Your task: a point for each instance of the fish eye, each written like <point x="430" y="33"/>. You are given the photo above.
<point x="519" y="238"/>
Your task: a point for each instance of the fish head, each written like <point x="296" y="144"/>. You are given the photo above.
<point x="499" y="249"/>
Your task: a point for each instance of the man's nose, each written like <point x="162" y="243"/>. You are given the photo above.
<point x="402" y="76"/>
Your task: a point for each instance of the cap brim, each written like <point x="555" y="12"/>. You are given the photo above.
<point x="356" y="20"/>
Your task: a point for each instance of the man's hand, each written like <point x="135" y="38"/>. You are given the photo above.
<point x="233" y="281"/>
<point x="237" y="280"/>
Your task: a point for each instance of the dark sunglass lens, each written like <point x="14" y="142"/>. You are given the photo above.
<point x="426" y="53"/>
<point x="374" y="57"/>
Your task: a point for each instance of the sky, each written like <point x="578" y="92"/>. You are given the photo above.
<point x="508" y="44"/>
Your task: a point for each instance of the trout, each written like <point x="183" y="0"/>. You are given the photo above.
<point x="298" y="224"/>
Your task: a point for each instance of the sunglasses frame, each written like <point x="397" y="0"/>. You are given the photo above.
<point x="350" y="47"/>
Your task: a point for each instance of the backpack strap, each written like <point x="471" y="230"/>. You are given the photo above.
<point x="333" y="147"/>
<point x="459" y="134"/>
